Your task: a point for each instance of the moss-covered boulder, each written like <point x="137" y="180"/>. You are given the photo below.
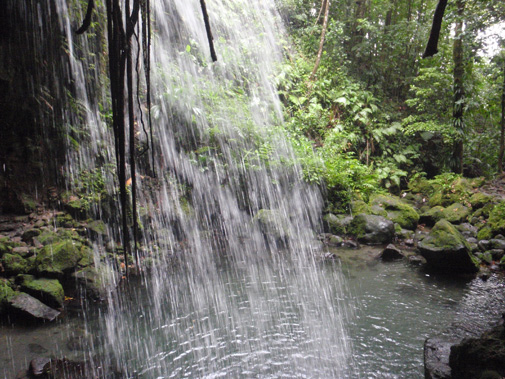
<point x="432" y="216"/>
<point x="60" y="258"/>
<point x="479" y="200"/>
<point x="77" y="207"/>
<point x="446" y="250"/>
<point x="6" y="292"/>
<point x="456" y="213"/>
<point x="372" y="229"/>
<point x="359" y="206"/>
<point x="397" y="211"/>
<point x="15" y="264"/>
<point x="496" y="222"/>
<point x="337" y="224"/>
<point x="49" y="291"/>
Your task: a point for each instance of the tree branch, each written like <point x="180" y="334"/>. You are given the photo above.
<point x="87" y="19"/>
<point x="209" y="31"/>
<point x="432" y="46"/>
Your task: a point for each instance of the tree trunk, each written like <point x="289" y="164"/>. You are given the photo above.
<point x="321" y="42"/>
<point x="502" y="124"/>
<point x="459" y="91"/>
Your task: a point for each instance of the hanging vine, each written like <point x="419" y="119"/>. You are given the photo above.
<point x="121" y="24"/>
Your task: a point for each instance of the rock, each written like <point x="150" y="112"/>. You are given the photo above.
<point x="15" y="264"/>
<point x="29" y="234"/>
<point x="23" y="251"/>
<point x="97" y="228"/>
<point x="272" y="224"/>
<point x="49" y="291"/>
<point x="6" y="292"/>
<point x="94" y="282"/>
<point x="60" y="369"/>
<point x="405" y="234"/>
<point x="359" y="206"/>
<point x="446" y="250"/>
<point x="496" y="254"/>
<point x="432" y="216"/>
<point x="497" y="244"/>
<point x="27" y="305"/>
<point x="416" y="260"/>
<point x="397" y="211"/>
<point x="468" y="230"/>
<point x="337" y="224"/>
<point x="391" y="253"/>
<point x="335" y="241"/>
<point x="495" y="224"/>
<point x="456" y="213"/>
<point x="372" y="229"/>
<point x="479" y="200"/>
<point x="475" y="356"/>
<point x="351" y="244"/>
<point x="60" y="258"/>
<point x="484" y="245"/>
<point x="436" y="358"/>
<point x="40" y="366"/>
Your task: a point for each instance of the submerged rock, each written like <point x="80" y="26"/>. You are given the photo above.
<point x="446" y="250"/>
<point x="372" y="229"/>
<point x="436" y="358"/>
<point x="391" y="253"/>
<point x="29" y="306"/>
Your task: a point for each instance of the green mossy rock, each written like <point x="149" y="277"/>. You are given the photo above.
<point x="436" y="199"/>
<point x="479" y="200"/>
<point x="49" y="291"/>
<point x="48" y="237"/>
<point x="421" y="185"/>
<point x="77" y="208"/>
<point x="59" y="258"/>
<point x="397" y="211"/>
<point x="359" y="206"/>
<point x="496" y="221"/>
<point x="432" y="216"/>
<point x="65" y="220"/>
<point x="446" y="250"/>
<point x="337" y="224"/>
<point x="456" y="213"/>
<point x="14" y="264"/>
<point x="6" y="292"/>
<point x="372" y="229"/>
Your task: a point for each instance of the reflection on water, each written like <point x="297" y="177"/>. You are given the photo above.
<point x="396" y="307"/>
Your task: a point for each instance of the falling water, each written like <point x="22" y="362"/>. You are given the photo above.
<point x="232" y="286"/>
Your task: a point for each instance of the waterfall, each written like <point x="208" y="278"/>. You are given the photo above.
<point x="232" y="284"/>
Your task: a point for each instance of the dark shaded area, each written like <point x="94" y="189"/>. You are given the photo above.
<point x="30" y="101"/>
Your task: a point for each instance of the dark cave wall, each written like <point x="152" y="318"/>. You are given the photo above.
<point x="33" y="68"/>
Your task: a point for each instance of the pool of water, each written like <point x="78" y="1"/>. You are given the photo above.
<point x="269" y="326"/>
